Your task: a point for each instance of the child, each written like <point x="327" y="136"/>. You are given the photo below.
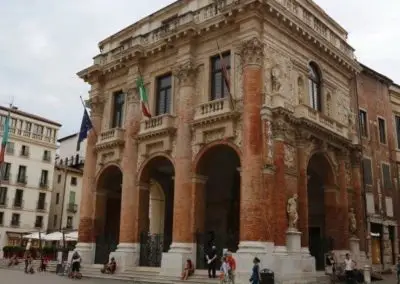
<point x="224" y="270"/>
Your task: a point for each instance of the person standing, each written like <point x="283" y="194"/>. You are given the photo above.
<point x="212" y="262"/>
<point x="255" y="275"/>
<point x="349" y="265"/>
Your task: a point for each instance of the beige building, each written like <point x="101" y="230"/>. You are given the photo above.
<point x="27" y="175"/>
<point x="227" y="171"/>
<point x="67" y="185"/>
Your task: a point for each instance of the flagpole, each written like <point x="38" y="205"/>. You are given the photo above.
<point x="224" y="74"/>
<point x="84" y="107"/>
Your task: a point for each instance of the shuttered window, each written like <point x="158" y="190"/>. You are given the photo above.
<point x="164" y="94"/>
<point x="367" y="171"/>
<point x="387" y="180"/>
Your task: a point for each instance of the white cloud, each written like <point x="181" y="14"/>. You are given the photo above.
<point x="44" y="44"/>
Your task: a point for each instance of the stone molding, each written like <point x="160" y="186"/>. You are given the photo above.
<point x="252" y="52"/>
<point x="186" y="73"/>
<point x="279" y="128"/>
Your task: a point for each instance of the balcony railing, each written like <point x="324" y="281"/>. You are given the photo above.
<point x="72" y="208"/>
<point x="6" y="177"/>
<point x="212" y="108"/>
<point x="111" y="136"/>
<point x="24" y="154"/>
<point x="18" y="204"/>
<point x="47" y="158"/>
<point x="14" y="224"/>
<point x="157" y="123"/>
<point x="4" y="203"/>
<point x="28" y="134"/>
<point x="44" y="184"/>
<point x="39" y="225"/>
<point x="41" y="206"/>
<point x="22" y="179"/>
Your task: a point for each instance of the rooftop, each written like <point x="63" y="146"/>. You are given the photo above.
<point x="15" y="110"/>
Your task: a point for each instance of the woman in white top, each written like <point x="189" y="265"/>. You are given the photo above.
<point x="349" y="265"/>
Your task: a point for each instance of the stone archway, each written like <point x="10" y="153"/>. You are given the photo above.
<point x="156" y="204"/>
<point x="322" y="207"/>
<point x="108" y="210"/>
<point x="219" y="165"/>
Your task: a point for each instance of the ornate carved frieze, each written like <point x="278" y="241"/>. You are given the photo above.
<point x="252" y="52"/>
<point x="349" y="182"/>
<point x="279" y="128"/>
<point x="290" y="157"/>
<point x="238" y="133"/>
<point x="269" y="141"/>
<point x="238" y="79"/>
<point x="186" y="73"/>
<point x="343" y="112"/>
<point x="213" y="135"/>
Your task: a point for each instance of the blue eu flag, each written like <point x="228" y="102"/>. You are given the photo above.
<point x="85" y="127"/>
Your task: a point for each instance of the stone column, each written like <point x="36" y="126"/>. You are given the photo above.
<point x="86" y="235"/>
<point x="359" y="208"/>
<point x="302" y="189"/>
<point x="343" y="242"/>
<point x="127" y="253"/>
<point x="182" y="245"/>
<point x="279" y="127"/>
<point x="252" y="199"/>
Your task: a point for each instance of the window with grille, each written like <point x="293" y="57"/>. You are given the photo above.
<point x="387" y="180"/>
<point x="367" y="171"/>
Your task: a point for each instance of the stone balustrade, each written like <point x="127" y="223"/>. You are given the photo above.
<point x="111" y="135"/>
<point x="211" y="108"/>
<point x="157" y="123"/>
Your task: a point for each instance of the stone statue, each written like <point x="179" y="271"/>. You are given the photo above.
<point x="291" y="209"/>
<point x="276" y="78"/>
<point x="352" y="221"/>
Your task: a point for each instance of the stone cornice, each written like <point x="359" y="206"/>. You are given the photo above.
<point x="109" y="145"/>
<point x="156" y="134"/>
<point x="210" y="120"/>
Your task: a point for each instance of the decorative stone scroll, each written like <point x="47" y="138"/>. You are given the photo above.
<point x="252" y="52"/>
<point x="186" y="73"/>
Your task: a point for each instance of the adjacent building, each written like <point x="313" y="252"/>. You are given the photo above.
<point x="67" y="185"/>
<point x="27" y="174"/>
<point x="218" y="164"/>
<point x="377" y="132"/>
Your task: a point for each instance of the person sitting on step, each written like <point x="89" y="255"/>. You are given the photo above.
<point x="109" y="268"/>
<point x="188" y="270"/>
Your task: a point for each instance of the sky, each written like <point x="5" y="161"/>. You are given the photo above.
<point x="44" y="43"/>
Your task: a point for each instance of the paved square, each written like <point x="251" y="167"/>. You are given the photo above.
<point x="19" y="277"/>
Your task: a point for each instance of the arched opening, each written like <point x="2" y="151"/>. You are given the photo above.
<point x="220" y="166"/>
<point x="321" y="201"/>
<point x="314" y="86"/>
<point x="108" y="210"/>
<point x="156" y="209"/>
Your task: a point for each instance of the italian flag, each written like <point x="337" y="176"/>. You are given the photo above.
<point x="6" y="130"/>
<point x="143" y="97"/>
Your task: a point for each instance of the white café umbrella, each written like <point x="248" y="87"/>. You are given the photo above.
<point x="56" y="236"/>
<point x="35" y="236"/>
<point x="73" y="236"/>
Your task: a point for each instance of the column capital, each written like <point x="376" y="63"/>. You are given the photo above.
<point x="252" y="52"/>
<point x="132" y="96"/>
<point x="342" y="155"/>
<point x="96" y="105"/>
<point x="186" y="73"/>
<point x="302" y="137"/>
<point x="279" y="128"/>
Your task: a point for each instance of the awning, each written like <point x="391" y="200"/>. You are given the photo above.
<point x="73" y="236"/>
<point x="35" y="236"/>
<point x="56" y="236"/>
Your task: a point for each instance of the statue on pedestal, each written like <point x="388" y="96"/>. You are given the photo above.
<point x="352" y="222"/>
<point x="291" y="209"/>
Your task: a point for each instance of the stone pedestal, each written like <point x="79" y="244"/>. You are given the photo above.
<point x="293" y="241"/>
<point x="86" y="251"/>
<point x="355" y="247"/>
<point x="367" y="274"/>
<point x="127" y="255"/>
<point x="174" y="260"/>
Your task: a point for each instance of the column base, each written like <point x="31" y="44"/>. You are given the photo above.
<point x="86" y="251"/>
<point x="293" y="241"/>
<point x="173" y="261"/>
<point x="127" y="255"/>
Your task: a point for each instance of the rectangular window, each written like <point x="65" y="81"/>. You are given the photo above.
<point x="69" y="222"/>
<point x="55" y="221"/>
<point x="10" y="148"/>
<point x="21" y="178"/>
<point x="28" y="126"/>
<point x="3" y="196"/>
<point x="118" y="111"/>
<point x="367" y="171"/>
<point x="164" y="94"/>
<point x="363" y="123"/>
<point x="15" y="219"/>
<point x="5" y="171"/>
<point x="397" y="121"/>
<point x="219" y="90"/>
<point x="57" y="198"/>
<point x="13" y="123"/>
<point x="1" y="218"/>
<point x="46" y="156"/>
<point x="59" y="179"/>
<point x="44" y="179"/>
<point x="18" y="199"/>
<point x="387" y="180"/>
<point x="41" y="201"/>
<point x="74" y="181"/>
<point x="39" y="222"/>
<point x="72" y="197"/>
<point x="25" y="151"/>
<point x="382" y="130"/>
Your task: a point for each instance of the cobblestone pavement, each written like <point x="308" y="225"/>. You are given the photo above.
<point x="19" y="277"/>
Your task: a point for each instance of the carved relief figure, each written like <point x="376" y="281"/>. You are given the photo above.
<point x="291" y="209"/>
<point x="328" y="104"/>
<point x="276" y="79"/>
<point x="352" y="221"/>
<point x="300" y="90"/>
